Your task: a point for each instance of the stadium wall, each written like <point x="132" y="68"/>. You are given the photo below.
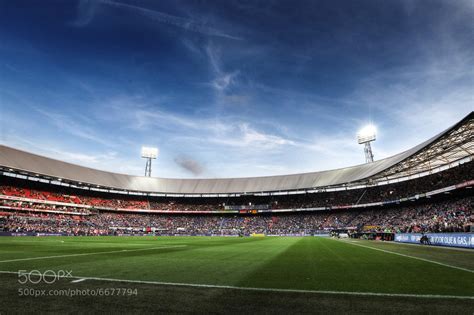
<point x="465" y="240"/>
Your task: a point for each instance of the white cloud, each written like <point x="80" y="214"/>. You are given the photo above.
<point x="412" y="102"/>
<point x="417" y="104"/>
<point x="87" y="9"/>
<point x="226" y="131"/>
<point x="244" y="136"/>
<point x="73" y="126"/>
<point x="222" y="79"/>
<point x="103" y="160"/>
<point x="145" y="118"/>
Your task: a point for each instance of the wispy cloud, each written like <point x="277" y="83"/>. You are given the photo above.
<point x="87" y="8"/>
<point x="227" y="80"/>
<point x="228" y="130"/>
<point x="152" y="117"/>
<point x="79" y="157"/>
<point x="72" y="126"/>
<point x="243" y="135"/>
<point x="415" y="102"/>
<point x="302" y="86"/>
<point x="223" y="80"/>
<point x="107" y="160"/>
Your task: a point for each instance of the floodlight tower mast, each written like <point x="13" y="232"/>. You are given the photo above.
<point x="148" y="167"/>
<point x="369" y="156"/>
<point x="149" y="154"/>
<point x="365" y="136"/>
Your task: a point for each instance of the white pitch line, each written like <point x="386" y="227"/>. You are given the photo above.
<point x="88" y="254"/>
<point x="462" y="249"/>
<point x="229" y="287"/>
<point x="408" y="256"/>
<point x="78" y="280"/>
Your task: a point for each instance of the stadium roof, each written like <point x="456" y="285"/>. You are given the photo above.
<point x="451" y="145"/>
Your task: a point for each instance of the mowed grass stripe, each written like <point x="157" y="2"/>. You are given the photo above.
<point x="89" y="254"/>
<point x="211" y="286"/>
<point x="459" y="258"/>
<point x="313" y="264"/>
<point x="205" y="260"/>
<point x="325" y="264"/>
<point x="25" y="247"/>
<point x="408" y="256"/>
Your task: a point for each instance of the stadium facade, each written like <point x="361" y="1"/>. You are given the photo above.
<point x="448" y="149"/>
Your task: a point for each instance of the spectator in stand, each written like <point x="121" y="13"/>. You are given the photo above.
<point x="446" y="216"/>
<point x="395" y="191"/>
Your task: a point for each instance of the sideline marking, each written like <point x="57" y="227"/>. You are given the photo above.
<point x="463" y="249"/>
<point x="408" y="256"/>
<point x="78" y="280"/>
<point x="216" y="286"/>
<point x="88" y="254"/>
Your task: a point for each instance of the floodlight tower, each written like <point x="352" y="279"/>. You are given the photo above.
<point x="149" y="154"/>
<point x="365" y="136"/>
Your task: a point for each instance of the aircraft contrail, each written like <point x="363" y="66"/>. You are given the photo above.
<point x="165" y="18"/>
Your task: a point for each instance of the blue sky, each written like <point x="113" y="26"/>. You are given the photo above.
<point x="230" y="88"/>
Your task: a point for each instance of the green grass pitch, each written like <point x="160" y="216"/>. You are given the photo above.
<point x="229" y="275"/>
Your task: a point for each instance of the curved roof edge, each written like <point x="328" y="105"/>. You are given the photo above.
<point x="11" y="158"/>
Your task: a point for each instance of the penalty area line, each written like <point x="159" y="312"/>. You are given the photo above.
<point x="228" y="287"/>
<point x="89" y="254"/>
<point x="408" y="256"/>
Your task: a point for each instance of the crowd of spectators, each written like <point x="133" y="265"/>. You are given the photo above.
<point x="456" y="175"/>
<point x="40" y="207"/>
<point x="24" y="192"/>
<point x="444" y="216"/>
<point x="172" y="205"/>
<point x="464" y="172"/>
<point x="52" y="224"/>
<point x="10" y="190"/>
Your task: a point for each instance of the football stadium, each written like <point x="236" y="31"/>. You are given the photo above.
<point x="236" y="157"/>
<point x="392" y="235"/>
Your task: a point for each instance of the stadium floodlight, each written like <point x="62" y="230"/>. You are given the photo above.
<point x="365" y="136"/>
<point x="149" y="154"/>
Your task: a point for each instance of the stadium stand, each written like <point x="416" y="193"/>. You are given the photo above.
<point x="444" y="216"/>
<point x="425" y="189"/>
<point x="45" y="208"/>
<point x="20" y="188"/>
